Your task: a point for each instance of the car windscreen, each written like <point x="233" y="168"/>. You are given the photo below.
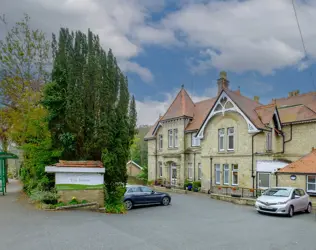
<point x="278" y="192"/>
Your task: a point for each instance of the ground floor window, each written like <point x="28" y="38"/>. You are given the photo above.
<point x="235" y="174"/>
<point x="226" y="174"/>
<point x="264" y="180"/>
<point x="190" y="171"/>
<point x="311" y="183"/>
<point x="199" y="171"/>
<point x="160" y="169"/>
<point x="217" y="174"/>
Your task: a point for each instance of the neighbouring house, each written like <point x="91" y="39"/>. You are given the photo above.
<point x="230" y="140"/>
<point x="300" y="173"/>
<point x="133" y="169"/>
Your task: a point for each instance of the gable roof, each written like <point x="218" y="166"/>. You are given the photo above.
<point x="296" y="113"/>
<point x="181" y="106"/>
<point x="265" y="113"/>
<point x="201" y="109"/>
<point x="134" y="163"/>
<point x="305" y="165"/>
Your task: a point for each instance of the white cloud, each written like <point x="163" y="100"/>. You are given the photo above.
<point x="240" y="36"/>
<point x="148" y="111"/>
<point x="121" y="24"/>
<point x="143" y="73"/>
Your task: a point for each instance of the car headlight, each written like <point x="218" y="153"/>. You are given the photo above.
<point x="283" y="202"/>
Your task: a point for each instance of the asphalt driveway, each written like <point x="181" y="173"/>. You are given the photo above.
<point x="191" y="222"/>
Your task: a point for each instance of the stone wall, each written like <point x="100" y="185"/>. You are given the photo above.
<point x="96" y="195"/>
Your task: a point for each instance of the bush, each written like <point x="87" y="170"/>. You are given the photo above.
<point x="187" y="182"/>
<point x="114" y="195"/>
<point x="47" y="197"/>
<point x="150" y="183"/>
<point x="196" y="184"/>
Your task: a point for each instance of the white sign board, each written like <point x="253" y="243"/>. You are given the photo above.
<point x="270" y="166"/>
<point x="79" y="178"/>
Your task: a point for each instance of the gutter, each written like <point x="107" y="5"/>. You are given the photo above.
<point x="252" y="158"/>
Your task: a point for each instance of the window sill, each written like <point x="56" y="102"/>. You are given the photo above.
<point x="195" y="146"/>
<point x="221" y="152"/>
<point x="234" y="184"/>
<point x="226" y="184"/>
<point x="230" y="150"/>
<point x="175" y="148"/>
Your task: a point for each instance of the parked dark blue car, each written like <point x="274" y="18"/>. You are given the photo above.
<point x="136" y="195"/>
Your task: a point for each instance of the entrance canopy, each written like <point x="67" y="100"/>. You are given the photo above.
<point x="3" y="174"/>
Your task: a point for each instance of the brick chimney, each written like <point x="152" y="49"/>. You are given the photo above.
<point x="256" y="99"/>
<point x="294" y="93"/>
<point x="222" y="82"/>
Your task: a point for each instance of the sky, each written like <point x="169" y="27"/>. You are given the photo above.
<point x="163" y="44"/>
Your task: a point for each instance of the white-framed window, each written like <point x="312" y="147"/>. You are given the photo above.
<point x="170" y="140"/>
<point x="217" y="174"/>
<point x="160" y="168"/>
<point x="311" y="183"/>
<point x="264" y="180"/>
<point x="221" y="139"/>
<point x="190" y="171"/>
<point x="269" y="141"/>
<point x="235" y="174"/>
<point x="199" y="171"/>
<point x="230" y="135"/>
<point x="175" y="137"/>
<point x="196" y="142"/>
<point x="160" y="142"/>
<point x="226" y="174"/>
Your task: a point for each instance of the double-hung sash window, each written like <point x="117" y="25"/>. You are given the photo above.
<point x="269" y="141"/>
<point x="226" y="174"/>
<point x="217" y="174"/>
<point x="160" y="142"/>
<point x="160" y="169"/>
<point x="221" y="138"/>
<point x="170" y="140"/>
<point x="235" y="174"/>
<point x="195" y="141"/>
<point x="311" y="183"/>
<point x="264" y="180"/>
<point x="199" y="171"/>
<point x="175" y="137"/>
<point x="190" y="171"/>
<point x="230" y="135"/>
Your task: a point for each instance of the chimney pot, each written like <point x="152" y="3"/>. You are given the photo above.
<point x="222" y="82"/>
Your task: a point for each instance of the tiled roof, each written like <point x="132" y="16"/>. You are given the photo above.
<point x="297" y="113"/>
<point x="307" y="99"/>
<point x="181" y="106"/>
<point x="265" y="113"/>
<point x="307" y="164"/>
<point x="201" y="109"/>
<point x="247" y="106"/>
<point x="78" y="164"/>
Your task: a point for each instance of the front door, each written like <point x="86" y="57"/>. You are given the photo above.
<point x="173" y="174"/>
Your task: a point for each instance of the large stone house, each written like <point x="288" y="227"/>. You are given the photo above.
<point x="230" y="140"/>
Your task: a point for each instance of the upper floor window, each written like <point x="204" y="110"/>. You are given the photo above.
<point x="221" y="138"/>
<point x="230" y="134"/>
<point x="160" y="143"/>
<point x="175" y="137"/>
<point x="195" y="141"/>
<point x="269" y="141"/>
<point x="170" y="140"/>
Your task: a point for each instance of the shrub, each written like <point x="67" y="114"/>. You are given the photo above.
<point x="187" y="182"/>
<point x="150" y="183"/>
<point x="114" y="195"/>
<point x="196" y="184"/>
<point x="47" y="197"/>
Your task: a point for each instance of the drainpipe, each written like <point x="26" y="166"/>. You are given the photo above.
<point x="252" y="158"/>
<point x="156" y="163"/>
<point x="285" y="141"/>
<point x="194" y="167"/>
<point x="276" y="179"/>
<point x="290" y="136"/>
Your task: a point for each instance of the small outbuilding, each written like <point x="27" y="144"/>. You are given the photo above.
<point x="133" y="169"/>
<point x="301" y="174"/>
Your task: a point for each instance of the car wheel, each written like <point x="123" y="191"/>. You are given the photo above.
<point x="165" y="201"/>
<point x="309" y="208"/>
<point x="291" y="211"/>
<point x="128" y="204"/>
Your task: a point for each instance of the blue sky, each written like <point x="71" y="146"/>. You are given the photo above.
<point x="162" y="44"/>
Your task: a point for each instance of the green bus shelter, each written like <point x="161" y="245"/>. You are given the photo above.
<point x="3" y="157"/>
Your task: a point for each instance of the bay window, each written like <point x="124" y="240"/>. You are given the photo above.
<point x="217" y="174"/>
<point x="160" y="142"/>
<point x="235" y="174"/>
<point x="160" y="168"/>
<point x="175" y="136"/>
<point x="199" y="171"/>
<point x="190" y="171"/>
